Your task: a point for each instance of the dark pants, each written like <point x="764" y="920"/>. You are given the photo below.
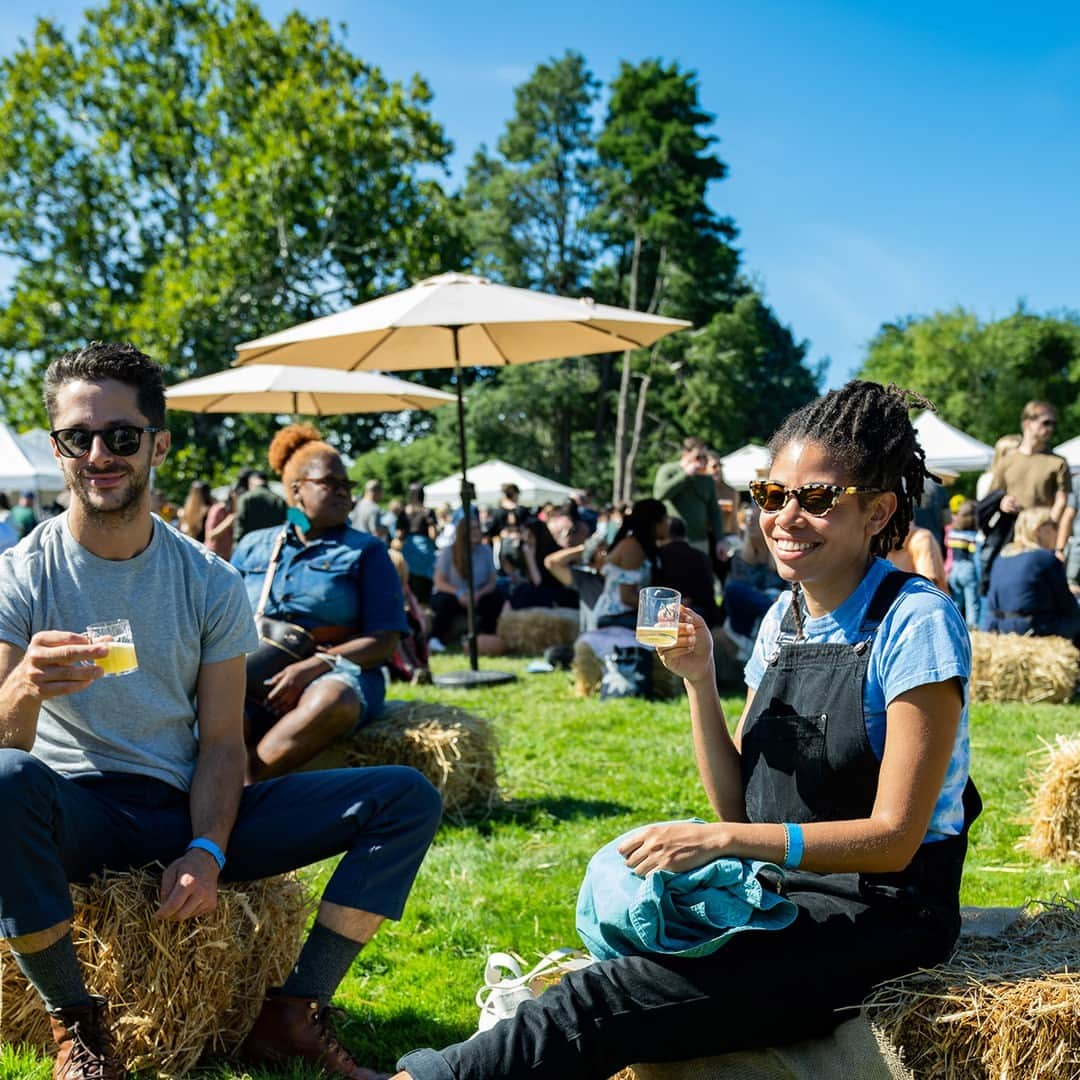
<point x="764" y="988"/>
<point x="445" y="608"/>
<point x="58" y="830"/>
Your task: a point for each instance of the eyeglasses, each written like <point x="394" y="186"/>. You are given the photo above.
<point x="815" y="499"/>
<point x="123" y="440"/>
<point x="331" y="483"/>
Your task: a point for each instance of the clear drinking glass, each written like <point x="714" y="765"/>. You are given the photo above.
<point x="121" y="658"/>
<point x="658" y="616"/>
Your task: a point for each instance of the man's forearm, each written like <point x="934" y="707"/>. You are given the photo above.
<point x="216" y="788"/>
<point x="19" y="711"/>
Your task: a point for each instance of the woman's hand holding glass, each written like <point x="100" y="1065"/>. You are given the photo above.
<point x="691" y="657"/>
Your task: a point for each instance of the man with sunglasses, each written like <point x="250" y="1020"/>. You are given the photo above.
<point x="689" y="492"/>
<point x="1032" y="475"/>
<point x="119" y="772"/>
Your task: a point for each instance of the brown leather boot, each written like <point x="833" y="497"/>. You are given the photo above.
<point x="83" y="1045"/>
<point x="290" y="1029"/>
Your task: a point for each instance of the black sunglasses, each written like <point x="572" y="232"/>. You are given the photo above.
<point x="123" y="440"/>
<point x="815" y="499"/>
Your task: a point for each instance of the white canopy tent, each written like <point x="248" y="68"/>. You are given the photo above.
<point x="948" y="448"/>
<point x="1070" y="451"/>
<point x="27" y="465"/>
<point x="488" y="480"/>
<point x="743" y="465"/>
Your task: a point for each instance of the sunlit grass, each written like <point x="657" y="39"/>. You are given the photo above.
<point x="575" y="774"/>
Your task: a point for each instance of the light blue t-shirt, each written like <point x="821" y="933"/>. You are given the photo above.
<point x="921" y="640"/>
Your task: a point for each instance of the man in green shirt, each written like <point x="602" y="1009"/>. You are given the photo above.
<point x="690" y="493"/>
<point x="23" y="519"/>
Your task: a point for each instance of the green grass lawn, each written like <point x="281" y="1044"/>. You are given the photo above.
<point x="574" y="774"/>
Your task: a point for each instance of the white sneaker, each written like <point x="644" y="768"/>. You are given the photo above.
<point x="435" y="645"/>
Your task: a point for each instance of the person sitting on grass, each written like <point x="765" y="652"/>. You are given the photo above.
<point x="339" y="585"/>
<point x="116" y="773"/>
<point x="631" y="563"/>
<point x="849" y="767"/>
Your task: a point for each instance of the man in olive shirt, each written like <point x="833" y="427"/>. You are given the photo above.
<point x="1034" y="476"/>
<point x="690" y="493"/>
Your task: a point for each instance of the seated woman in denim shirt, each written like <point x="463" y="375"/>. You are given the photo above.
<point x="338" y="584"/>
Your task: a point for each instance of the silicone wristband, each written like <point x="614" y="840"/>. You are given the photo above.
<point x="793" y="846"/>
<point x="203" y="844"/>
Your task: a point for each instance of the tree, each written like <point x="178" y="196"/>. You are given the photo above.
<point x="654" y="172"/>
<point x="188" y="176"/>
<point x="979" y="375"/>
<point x="527" y="218"/>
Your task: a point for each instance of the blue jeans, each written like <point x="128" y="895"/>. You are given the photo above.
<point x="964" y="586"/>
<point x="59" y="830"/>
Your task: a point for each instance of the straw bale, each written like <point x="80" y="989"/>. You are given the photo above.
<point x="529" y="631"/>
<point x="454" y="749"/>
<point x="1000" y="1007"/>
<point x="1055" y="807"/>
<point x="589" y="671"/>
<point x="1015" y="667"/>
<point x="176" y="991"/>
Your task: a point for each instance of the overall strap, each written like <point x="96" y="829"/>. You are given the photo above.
<point x="275" y="556"/>
<point x="884" y="597"/>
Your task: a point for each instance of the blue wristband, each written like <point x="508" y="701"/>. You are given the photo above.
<point x="793" y="846"/>
<point x="203" y="844"/>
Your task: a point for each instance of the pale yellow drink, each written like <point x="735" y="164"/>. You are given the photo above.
<point x="663" y="636"/>
<point x="120" y="660"/>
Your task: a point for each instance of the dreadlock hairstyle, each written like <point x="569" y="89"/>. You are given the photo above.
<point x="865" y="429"/>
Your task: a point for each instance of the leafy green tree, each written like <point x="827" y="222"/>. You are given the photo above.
<point x="189" y="176"/>
<point x="672" y="252"/>
<point x="527" y="218"/>
<point x="979" y="375"/>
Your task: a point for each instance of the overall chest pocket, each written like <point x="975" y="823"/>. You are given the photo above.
<point x="785" y="768"/>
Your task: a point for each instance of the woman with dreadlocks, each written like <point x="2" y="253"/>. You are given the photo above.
<point x="848" y="768"/>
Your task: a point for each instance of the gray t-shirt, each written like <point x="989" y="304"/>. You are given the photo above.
<point x="186" y="606"/>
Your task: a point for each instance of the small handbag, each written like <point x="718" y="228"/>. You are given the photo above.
<point x="281" y="643"/>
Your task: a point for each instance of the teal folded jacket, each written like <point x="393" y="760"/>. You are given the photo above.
<point x="677" y="914"/>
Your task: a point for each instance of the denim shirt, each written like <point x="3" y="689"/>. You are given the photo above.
<point x="342" y="578"/>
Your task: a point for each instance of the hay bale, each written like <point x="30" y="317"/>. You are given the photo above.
<point x="589" y="671"/>
<point x="1001" y="1007"/>
<point x="1014" y="667"/>
<point x="454" y="749"/>
<point x="529" y="631"/>
<point x="1055" y="807"/>
<point x="175" y="990"/>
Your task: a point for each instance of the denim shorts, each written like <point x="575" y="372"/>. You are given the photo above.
<point x="351" y="675"/>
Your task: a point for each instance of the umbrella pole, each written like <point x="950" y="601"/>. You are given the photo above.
<point x="466" y="508"/>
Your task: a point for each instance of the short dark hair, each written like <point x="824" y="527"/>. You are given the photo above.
<point x="103" y="360"/>
<point x="676" y="528"/>
<point x="865" y="429"/>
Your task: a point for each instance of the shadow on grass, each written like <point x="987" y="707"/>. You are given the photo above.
<point x="534" y="812"/>
<point x="374" y="1044"/>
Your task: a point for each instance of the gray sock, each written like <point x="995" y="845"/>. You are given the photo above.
<point x="55" y="974"/>
<point x="323" y="963"/>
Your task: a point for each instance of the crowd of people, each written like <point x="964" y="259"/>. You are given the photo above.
<point x="827" y="590"/>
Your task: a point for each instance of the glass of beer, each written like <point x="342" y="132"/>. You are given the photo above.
<point x="658" y="616"/>
<point x="121" y="658"/>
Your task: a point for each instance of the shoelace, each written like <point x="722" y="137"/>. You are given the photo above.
<point x="91" y="1054"/>
<point x="324" y="1024"/>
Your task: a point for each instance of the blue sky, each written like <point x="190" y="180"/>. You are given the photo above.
<point x="885" y="159"/>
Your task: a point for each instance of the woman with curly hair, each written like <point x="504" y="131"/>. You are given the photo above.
<point x="335" y="582"/>
<point x="848" y="768"/>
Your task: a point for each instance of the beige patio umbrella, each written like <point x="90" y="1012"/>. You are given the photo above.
<point x="309" y="390"/>
<point x="459" y="320"/>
